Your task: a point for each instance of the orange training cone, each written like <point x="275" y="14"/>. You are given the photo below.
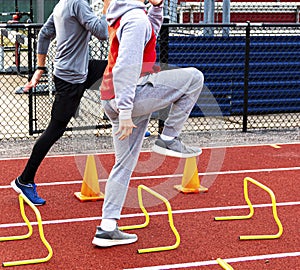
<point x="190" y="178"/>
<point x="90" y="190"/>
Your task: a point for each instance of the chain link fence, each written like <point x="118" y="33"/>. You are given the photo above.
<point x="252" y="78"/>
<point x="251" y="72"/>
<point x="14" y="71"/>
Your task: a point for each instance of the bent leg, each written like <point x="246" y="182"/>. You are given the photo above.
<point x="95" y="73"/>
<point x="67" y="99"/>
<point x="179" y="88"/>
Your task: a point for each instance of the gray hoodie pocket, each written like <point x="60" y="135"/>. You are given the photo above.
<point x="147" y="79"/>
<point x="110" y="108"/>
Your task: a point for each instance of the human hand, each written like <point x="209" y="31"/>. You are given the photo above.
<point x="34" y="80"/>
<point x="125" y="128"/>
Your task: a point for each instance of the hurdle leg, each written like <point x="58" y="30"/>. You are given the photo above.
<point x="251" y="209"/>
<point x="30" y="230"/>
<point x="171" y="223"/>
<point x="147" y="218"/>
<point x="274" y="210"/>
<point x="224" y="264"/>
<point x="41" y="232"/>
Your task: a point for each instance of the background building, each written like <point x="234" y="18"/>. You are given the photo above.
<point x="41" y="9"/>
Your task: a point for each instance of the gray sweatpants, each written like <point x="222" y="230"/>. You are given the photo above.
<point x="177" y="88"/>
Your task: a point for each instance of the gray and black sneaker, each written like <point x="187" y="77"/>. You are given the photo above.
<point x="175" y="148"/>
<point x="116" y="237"/>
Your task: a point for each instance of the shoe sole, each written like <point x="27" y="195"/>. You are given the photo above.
<point x="100" y="242"/>
<point x="19" y="191"/>
<point x="170" y="153"/>
<point x="15" y="188"/>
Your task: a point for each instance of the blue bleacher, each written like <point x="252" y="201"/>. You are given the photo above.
<point x="274" y="72"/>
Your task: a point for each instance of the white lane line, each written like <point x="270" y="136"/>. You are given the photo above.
<point x="147" y="151"/>
<point x="60" y="156"/>
<point x="172" y="176"/>
<point x="184" y="211"/>
<point x="213" y="262"/>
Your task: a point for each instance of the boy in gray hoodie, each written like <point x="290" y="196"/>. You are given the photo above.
<point x="72" y="23"/>
<point x="133" y="88"/>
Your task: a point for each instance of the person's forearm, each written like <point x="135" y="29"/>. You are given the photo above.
<point x="41" y="60"/>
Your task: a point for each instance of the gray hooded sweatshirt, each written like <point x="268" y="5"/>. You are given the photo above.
<point x="133" y="34"/>
<point x="72" y="23"/>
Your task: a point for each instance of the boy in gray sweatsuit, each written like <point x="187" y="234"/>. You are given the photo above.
<point x="133" y="88"/>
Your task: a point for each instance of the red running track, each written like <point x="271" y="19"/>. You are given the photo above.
<point x="69" y="225"/>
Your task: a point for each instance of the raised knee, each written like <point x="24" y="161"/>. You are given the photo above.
<point x="198" y="77"/>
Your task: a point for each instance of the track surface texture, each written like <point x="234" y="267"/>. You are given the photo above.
<point x="69" y="225"/>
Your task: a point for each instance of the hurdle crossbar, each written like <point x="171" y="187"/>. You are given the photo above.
<point x="147" y="219"/>
<point x="22" y="198"/>
<point x="274" y="210"/>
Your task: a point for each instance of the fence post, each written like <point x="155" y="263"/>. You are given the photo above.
<point x="226" y="17"/>
<point x="163" y="57"/>
<point x="40" y="11"/>
<point x="246" y="77"/>
<point x="164" y="44"/>
<point x="209" y="17"/>
<point x="1" y="58"/>
<point x="30" y="73"/>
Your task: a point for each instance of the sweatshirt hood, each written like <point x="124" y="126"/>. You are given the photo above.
<point x="118" y="8"/>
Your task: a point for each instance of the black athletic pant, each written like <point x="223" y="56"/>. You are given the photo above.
<point x="67" y="100"/>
